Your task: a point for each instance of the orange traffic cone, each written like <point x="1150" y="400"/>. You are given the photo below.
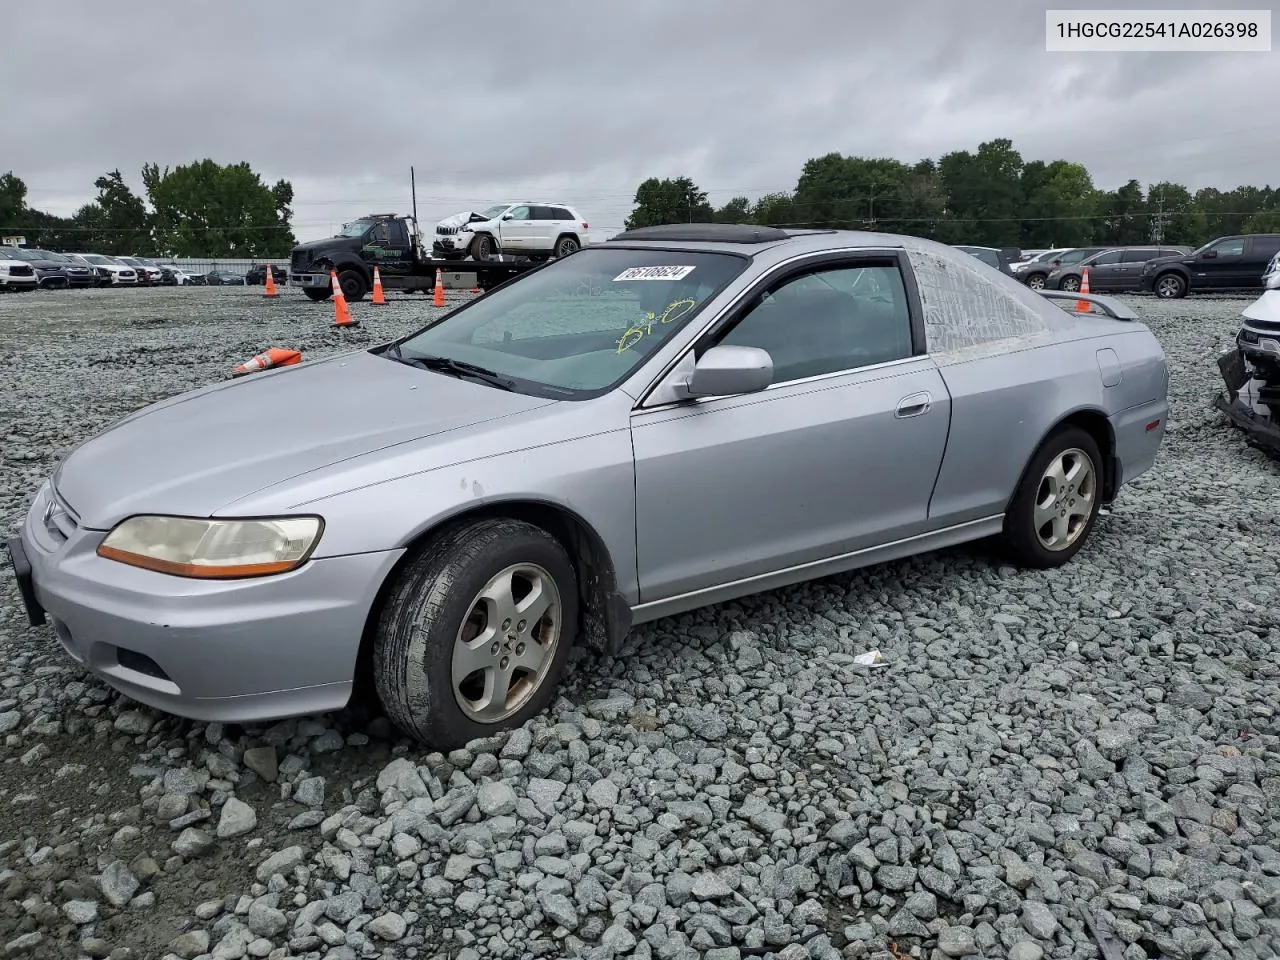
<point x="378" y="299"/>
<point x="274" y="357"/>
<point x="1082" y="306"/>
<point x="439" y="298"/>
<point x="341" y="312"/>
<point x="271" y="281"/>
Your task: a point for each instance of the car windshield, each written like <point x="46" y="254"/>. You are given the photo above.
<point x="24" y="253"/>
<point x="497" y="211"/>
<point x="356" y="228"/>
<point x="1047" y="255"/>
<point x="147" y="263"/>
<point x="94" y="258"/>
<point x="6" y="255"/>
<point x="579" y="326"/>
<point x="55" y="257"/>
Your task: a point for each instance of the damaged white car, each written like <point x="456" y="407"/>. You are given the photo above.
<point x="1251" y="370"/>
<point x="538" y="230"/>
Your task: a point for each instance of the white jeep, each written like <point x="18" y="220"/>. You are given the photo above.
<point x="537" y="230"/>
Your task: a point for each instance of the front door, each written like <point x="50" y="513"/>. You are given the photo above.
<point x="840" y="453"/>
<point x="1103" y="270"/>
<point x="1128" y="273"/>
<point x="386" y="246"/>
<point x="1219" y="266"/>
<point x="517" y="229"/>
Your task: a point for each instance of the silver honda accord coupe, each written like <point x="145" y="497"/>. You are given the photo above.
<point x="675" y="417"/>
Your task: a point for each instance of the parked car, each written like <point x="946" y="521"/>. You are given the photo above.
<point x="258" y="274"/>
<point x="1043" y="256"/>
<point x="538" y="230"/>
<point x="999" y="257"/>
<point x="1228" y="263"/>
<point x="1037" y="275"/>
<point x="153" y="269"/>
<point x="16" y="274"/>
<point x="215" y="278"/>
<point x="147" y="274"/>
<point x="172" y="275"/>
<point x="101" y="275"/>
<point x="543" y="467"/>
<point x="1119" y="268"/>
<point x="50" y="273"/>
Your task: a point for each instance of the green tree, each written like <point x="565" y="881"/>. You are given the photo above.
<point x="1174" y="217"/>
<point x="13" y="200"/>
<point x="1059" y="203"/>
<point x="1268" y="221"/>
<point x="737" y="210"/>
<point x="1124" y="220"/>
<point x="206" y="209"/>
<point x="677" y="200"/>
<point x="774" y="210"/>
<point x="984" y="195"/>
<point x="117" y="222"/>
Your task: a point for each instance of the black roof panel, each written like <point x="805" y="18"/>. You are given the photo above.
<point x="705" y="233"/>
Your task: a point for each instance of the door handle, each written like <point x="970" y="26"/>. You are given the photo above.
<point x="914" y="405"/>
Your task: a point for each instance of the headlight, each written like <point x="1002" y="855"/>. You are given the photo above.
<point x="213" y="549"/>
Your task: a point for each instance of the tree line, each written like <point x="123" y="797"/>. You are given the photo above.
<point x="991" y="197"/>
<point x="201" y="209"/>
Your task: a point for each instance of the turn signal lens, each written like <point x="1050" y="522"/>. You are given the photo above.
<point x="213" y="549"/>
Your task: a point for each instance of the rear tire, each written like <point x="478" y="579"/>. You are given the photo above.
<point x="1055" y="507"/>
<point x="448" y="596"/>
<point x="566" y="245"/>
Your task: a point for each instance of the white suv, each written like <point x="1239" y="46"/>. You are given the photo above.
<point x="537" y="230"/>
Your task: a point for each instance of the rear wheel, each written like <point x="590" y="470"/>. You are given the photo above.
<point x="475" y="632"/>
<point x="566" y="246"/>
<point x="1170" y="286"/>
<point x="1056" y="504"/>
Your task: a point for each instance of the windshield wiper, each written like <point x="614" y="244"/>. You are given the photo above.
<point x="458" y="368"/>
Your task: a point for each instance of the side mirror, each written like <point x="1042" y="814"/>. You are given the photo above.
<point x="508" y="216"/>
<point x="727" y="370"/>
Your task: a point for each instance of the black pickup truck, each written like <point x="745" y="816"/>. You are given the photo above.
<point x="1228" y="263"/>
<point x="394" y="245"/>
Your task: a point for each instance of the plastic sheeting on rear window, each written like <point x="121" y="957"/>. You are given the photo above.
<point x="967" y="313"/>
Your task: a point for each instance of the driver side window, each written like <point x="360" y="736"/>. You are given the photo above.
<point x="828" y="320"/>
<point x="1229" y="248"/>
<point x="518" y="213"/>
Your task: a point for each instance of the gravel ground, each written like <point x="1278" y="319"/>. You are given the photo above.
<point x="1099" y="740"/>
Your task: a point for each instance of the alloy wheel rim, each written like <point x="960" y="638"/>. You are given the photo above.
<point x="507" y="643"/>
<point x="1064" y="499"/>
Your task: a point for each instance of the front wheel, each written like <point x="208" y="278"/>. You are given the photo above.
<point x="1070" y="284"/>
<point x="1056" y="504"/>
<point x="475" y="632"/>
<point x="1170" y="286"/>
<point x="482" y="247"/>
<point x="318" y="293"/>
<point x="353" y="284"/>
<point x="1036" y="281"/>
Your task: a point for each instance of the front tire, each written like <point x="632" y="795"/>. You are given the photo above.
<point x="1056" y="504"/>
<point x="318" y="293"/>
<point x="1069" y="284"/>
<point x="1170" y="286"/>
<point x="353" y="285"/>
<point x="475" y="632"/>
<point x="1036" y="281"/>
<point x="482" y="247"/>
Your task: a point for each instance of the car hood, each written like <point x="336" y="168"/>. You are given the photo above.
<point x="197" y="452"/>
<point x="457" y="220"/>
<point x="1265" y="308"/>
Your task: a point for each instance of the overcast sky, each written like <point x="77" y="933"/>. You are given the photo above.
<point x="580" y="100"/>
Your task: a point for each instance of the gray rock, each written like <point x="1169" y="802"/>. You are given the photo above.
<point x="236" y="818"/>
<point x="496" y="799"/>
<point x="1038" y="920"/>
<point x="956" y="941"/>
<point x="118" y="884"/>
<point x="262" y="761"/>
<point x="388" y="926"/>
<point x="282" y="862"/>
<point x="266" y="921"/>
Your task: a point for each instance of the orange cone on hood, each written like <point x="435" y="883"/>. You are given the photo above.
<point x="273" y="357"/>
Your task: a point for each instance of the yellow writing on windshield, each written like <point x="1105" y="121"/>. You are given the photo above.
<point x="674" y="311"/>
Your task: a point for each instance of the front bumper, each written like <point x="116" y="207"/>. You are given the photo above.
<point x="19" y="283"/>
<point x="311" y="280"/>
<point x="236" y="651"/>
<point x="452" y="244"/>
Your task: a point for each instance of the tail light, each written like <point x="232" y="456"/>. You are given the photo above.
<point x="584" y="225"/>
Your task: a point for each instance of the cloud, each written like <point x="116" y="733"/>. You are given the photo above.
<point x="580" y="101"/>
